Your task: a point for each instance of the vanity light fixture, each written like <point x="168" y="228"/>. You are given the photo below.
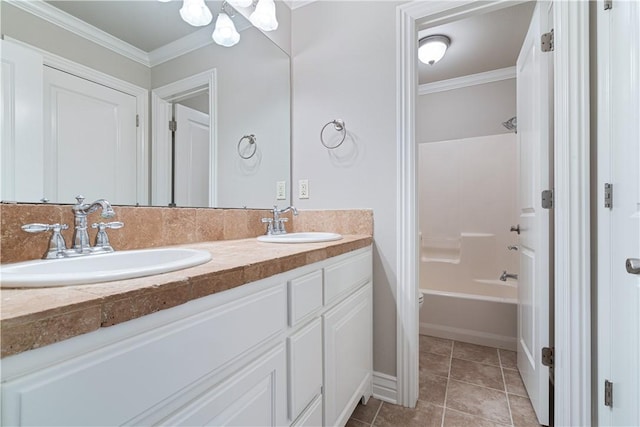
<point x="240" y="3"/>
<point x="432" y="48"/>
<point x="264" y="17"/>
<point x="225" y="33"/>
<point x="196" y="13"/>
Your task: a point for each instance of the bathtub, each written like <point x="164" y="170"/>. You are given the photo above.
<point x="463" y="299"/>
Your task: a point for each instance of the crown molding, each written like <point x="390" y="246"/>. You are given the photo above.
<point x="186" y="44"/>
<point x="297" y="4"/>
<point x="62" y="19"/>
<point x="183" y="45"/>
<point x="466" y="81"/>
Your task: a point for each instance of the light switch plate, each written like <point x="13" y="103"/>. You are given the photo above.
<point x="303" y="189"/>
<point x="281" y="190"/>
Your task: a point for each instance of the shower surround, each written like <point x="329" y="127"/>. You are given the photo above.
<point x="467" y="195"/>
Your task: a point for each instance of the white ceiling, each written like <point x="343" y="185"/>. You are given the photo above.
<point x="479" y="44"/>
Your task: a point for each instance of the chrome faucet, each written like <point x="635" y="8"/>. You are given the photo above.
<point x="506" y="276"/>
<point x="80" y="211"/>
<point x="276" y="225"/>
<point x="81" y="246"/>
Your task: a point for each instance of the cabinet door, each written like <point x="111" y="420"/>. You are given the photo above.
<point x="312" y="416"/>
<point x="348" y="355"/>
<point x="254" y="396"/>
<point x="305" y="367"/>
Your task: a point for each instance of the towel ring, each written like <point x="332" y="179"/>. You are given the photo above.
<point x="339" y="126"/>
<point x="252" y="141"/>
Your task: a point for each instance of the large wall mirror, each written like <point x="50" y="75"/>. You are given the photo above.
<point x="172" y="120"/>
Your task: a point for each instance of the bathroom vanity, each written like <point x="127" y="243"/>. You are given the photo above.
<point x="292" y="348"/>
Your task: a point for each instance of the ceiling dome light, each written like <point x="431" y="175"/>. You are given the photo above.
<point x="240" y="3"/>
<point x="225" y="33"/>
<point x="264" y="17"/>
<point x="432" y="48"/>
<point x="196" y="13"/>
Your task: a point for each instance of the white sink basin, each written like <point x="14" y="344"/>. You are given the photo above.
<point x="309" y="237"/>
<point x="99" y="268"/>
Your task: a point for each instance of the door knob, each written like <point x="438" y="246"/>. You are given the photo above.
<point x="633" y="265"/>
<point x="515" y="228"/>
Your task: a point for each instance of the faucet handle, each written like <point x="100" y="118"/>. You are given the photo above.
<point x="57" y="245"/>
<point x="80" y="199"/>
<point x="38" y="228"/>
<point x="102" y="239"/>
<point x="101" y="226"/>
<point x="269" y="222"/>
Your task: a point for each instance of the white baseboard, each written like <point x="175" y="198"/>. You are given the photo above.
<point x="385" y="388"/>
<point x="467" y="335"/>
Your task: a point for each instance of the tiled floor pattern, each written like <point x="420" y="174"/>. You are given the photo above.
<point x="460" y="385"/>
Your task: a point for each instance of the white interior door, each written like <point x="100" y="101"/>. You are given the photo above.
<point x="619" y="225"/>
<point x="89" y="140"/>
<point x="193" y="155"/>
<point x="21" y="121"/>
<point x="534" y="101"/>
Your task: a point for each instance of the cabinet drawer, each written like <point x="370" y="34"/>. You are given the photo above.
<point x="305" y="296"/>
<point x="346" y="275"/>
<point x="305" y="367"/>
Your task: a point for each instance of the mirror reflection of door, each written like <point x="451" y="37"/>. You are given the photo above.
<point x="192" y="153"/>
<point x="89" y="140"/>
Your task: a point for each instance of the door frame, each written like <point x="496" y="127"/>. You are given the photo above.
<point x="161" y="169"/>
<point x="572" y="197"/>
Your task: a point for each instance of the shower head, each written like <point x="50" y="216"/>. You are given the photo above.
<point x="511" y="124"/>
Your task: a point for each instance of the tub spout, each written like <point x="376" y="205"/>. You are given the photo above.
<point x="506" y="276"/>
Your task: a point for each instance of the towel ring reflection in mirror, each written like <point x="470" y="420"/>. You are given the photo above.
<point x="252" y="142"/>
<point x="339" y="126"/>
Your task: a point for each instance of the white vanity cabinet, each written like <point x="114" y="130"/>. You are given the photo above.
<point x="348" y="338"/>
<point x="292" y="349"/>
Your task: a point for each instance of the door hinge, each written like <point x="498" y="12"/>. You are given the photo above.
<point x="608" y="195"/>
<point x="608" y="4"/>
<point x="173" y="125"/>
<point x="608" y="393"/>
<point x="137" y="120"/>
<point x="547" y="356"/>
<point x="547" y="199"/>
<point x="547" y="41"/>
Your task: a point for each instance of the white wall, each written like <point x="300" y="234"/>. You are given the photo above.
<point x="467" y="112"/>
<point x="343" y="56"/>
<point x="253" y="83"/>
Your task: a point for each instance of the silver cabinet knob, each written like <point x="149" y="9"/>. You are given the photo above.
<point x="633" y="265"/>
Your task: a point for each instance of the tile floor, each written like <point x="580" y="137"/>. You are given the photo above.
<point x="460" y="385"/>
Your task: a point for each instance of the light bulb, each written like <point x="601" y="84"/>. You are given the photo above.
<point x="196" y="13"/>
<point x="225" y="33"/>
<point x="264" y="17"/>
<point x="240" y="3"/>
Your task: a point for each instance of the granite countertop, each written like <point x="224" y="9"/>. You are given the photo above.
<point x="32" y="318"/>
